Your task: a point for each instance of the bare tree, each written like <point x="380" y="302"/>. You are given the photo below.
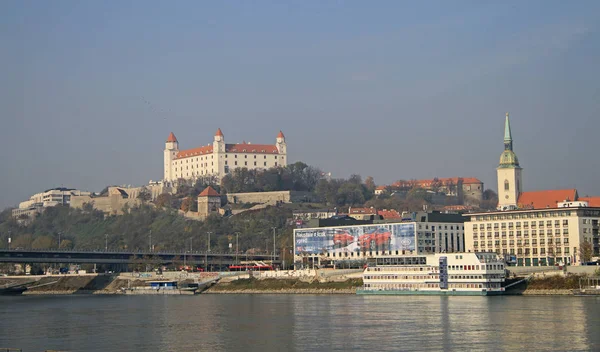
<point x="586" y="251"/>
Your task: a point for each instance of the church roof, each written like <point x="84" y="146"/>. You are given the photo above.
<point x="209" y="192"/>
<point x="546" y="199"/>
<point x="172" y="138"/>
<point x="219" y="133"/>
<point x="508" y="159"/>
<point x="507" y="132"/>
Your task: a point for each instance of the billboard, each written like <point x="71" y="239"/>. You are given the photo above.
<point x="360" y="238"/>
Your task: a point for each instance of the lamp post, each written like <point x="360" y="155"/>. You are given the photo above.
<point x="273" y="245"/>
<point x="207" y="250"/>
<point x="150" y="241"/>
<point x="59" y="240"/>
<point x="106" y="242"/>
<point x="236" y="247"/>
<point x="191" y="245"/>
<point x="9" y="240"/>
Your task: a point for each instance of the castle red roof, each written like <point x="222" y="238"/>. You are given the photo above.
<point x="207" y="149"/>
<point x="219" y="133"/>
<point x="209" y="192"/>
<point x="230" y="148"/>
<point x="172" y="138"/>
<point x="546" y="199"/>
<point x="280" y="135"/>
<point x="251" y="148"/>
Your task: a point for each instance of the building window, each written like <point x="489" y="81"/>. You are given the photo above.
<point x="246" y="156"/>
<point x="506" y="186"/>
<point x="265" y="156"/>
<point x="275" y="163"/>
<point x="236" y="163"/>
<point x="265" y="163"/>
<point x="245" y="163"/>
<point x="255" y="163"/>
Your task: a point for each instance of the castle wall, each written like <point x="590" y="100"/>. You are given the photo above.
<point x="270" y="197"/>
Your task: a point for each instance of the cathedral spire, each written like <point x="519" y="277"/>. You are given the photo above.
<point x="507" y="134"/>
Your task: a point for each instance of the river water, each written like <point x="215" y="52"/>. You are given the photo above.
<point x="299" y="323"/>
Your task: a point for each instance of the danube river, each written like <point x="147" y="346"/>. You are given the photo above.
<point x="299" y="323"/>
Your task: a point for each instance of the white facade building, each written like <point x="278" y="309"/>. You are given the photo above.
<point x="422" y="233"/>
<point x="218" y="159"/>
<point x="535" y="228"/>
<point x="536" y="237"/>
<point x="52" y="197"/>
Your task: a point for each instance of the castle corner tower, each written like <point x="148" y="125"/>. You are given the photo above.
<point x="509" y="173"/>
<point x="171" y="150"/>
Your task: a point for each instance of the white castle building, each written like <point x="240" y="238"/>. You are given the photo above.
<point x="218" y="159"/>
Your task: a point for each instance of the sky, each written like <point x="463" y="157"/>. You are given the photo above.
<point x="391" y="89"/>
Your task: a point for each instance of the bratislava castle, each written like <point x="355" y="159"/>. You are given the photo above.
<point x="218" y="159"/>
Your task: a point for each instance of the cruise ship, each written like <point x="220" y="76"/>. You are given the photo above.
<point x="459" y="274"/>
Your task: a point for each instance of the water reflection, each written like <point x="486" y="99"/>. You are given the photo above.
<point x="299" y="323"/>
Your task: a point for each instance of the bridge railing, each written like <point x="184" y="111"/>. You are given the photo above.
<point x="137" y="252"/>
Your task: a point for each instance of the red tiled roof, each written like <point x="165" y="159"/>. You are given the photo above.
<point x="172" y="138"/>
<point x="280" y="135"/>
<point x="389" y="214"/>
<point x="251" y="148"/>
<point x="362" y="211"/>
<point x="592" y="201"/>
<point x="443" y="181"/>
<point x="209" y="192"/>
<point x="219" y="133"/>
<point x="207" y="149"/>
<point x="230" y="148"/>
<point x="546" y="199"/>
<point x="381" y="188"/>
<point x="457" y="207"/>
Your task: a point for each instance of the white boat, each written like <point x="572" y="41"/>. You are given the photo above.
<point x="460" y="274"/>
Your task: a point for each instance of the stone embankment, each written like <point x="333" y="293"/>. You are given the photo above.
<point x="313" y="291"/>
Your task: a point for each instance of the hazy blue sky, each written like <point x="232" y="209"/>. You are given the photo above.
<point x="396" y="90"/>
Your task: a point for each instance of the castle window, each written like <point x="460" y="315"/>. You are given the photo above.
<point x="506" y="185"/>
<point x="255" y="157"/>
<point x="225" y="162"/>
<point x="265" y="163"/>
<point x="245" y="156"/>
<point x="255" y="163"/>
<point x="265" y="156"/>
<point x="236" y="162"/>
<point x="245" y="163"/>
<point x="236" y="156"/>
<point x="275" y="163"/>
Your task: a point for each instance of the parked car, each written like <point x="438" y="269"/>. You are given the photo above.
<point x="380" y="238"/>
<point x="342" y="238"/>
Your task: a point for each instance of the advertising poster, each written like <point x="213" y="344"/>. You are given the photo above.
<point x="364" y="238"/>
